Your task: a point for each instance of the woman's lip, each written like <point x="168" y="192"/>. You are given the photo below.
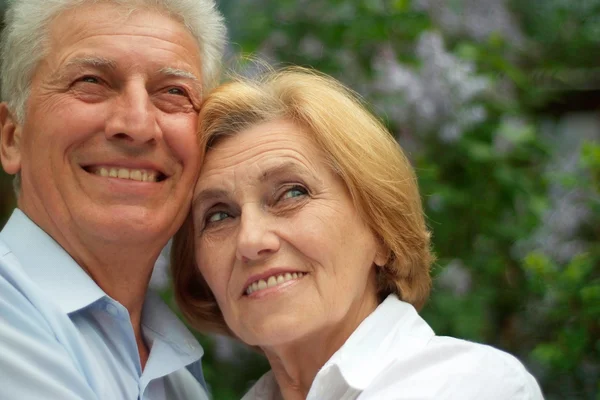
<point x="259" y="294"/>
<point x="267" y="274"/>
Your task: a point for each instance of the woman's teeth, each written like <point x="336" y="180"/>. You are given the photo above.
<point x="140" y="175"/>
<point x="273" y="281"/>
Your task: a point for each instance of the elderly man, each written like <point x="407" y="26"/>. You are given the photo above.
<point x="99" y="125"/>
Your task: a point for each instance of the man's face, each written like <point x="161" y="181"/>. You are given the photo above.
<point x="108" y="150"/>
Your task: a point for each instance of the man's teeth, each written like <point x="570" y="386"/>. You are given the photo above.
<point x="140" y="175"/>
<point x="273" y="281"/>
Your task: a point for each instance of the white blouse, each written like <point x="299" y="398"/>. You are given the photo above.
<point x="394" y="355"/>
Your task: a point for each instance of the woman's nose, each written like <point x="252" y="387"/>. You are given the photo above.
<point x="256" y="238"/>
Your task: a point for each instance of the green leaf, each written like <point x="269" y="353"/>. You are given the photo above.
<point x="538" y="264"/>
<point x="401" y="5"/>
<point x="549" y="354"/>
<point x="590" y="155"/>
<point x="578" y="269"/>
<point x="590" y="297"/>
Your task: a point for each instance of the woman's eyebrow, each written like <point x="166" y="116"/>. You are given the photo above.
<point x="209" y="194"/>
<point x="285" y="168"/>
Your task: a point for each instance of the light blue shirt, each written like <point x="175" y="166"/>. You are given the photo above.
<point x="63" y="338"/>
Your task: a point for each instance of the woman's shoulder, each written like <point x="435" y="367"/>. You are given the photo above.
<point x="450" y="368"/>
<point x="466" y="355"/>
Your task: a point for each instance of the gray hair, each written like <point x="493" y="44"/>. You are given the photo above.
<point x="24" y="41"/>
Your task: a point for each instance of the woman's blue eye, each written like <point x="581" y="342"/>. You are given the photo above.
<point x="217" y="216"/>
<point x="294" y="192"/>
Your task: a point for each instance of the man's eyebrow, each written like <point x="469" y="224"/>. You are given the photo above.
<point x="181" y="73"/>
<point x="83" y="62"/>
<point x="92" y="61"/>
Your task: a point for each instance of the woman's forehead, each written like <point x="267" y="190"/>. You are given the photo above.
<point x="259" y="144"/>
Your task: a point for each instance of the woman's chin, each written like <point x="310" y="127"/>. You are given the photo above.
<point x="276" y="333"/>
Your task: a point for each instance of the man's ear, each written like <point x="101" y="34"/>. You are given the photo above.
<point x="10" y="141"/>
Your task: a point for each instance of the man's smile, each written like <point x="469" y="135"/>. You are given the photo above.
<point x="140" y="175"/>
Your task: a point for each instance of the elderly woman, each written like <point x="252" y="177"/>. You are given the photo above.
<point x="308" y="241"/>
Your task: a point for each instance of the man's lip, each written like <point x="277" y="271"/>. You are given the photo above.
<point x="132" y="165"/>
<point x="265" y="275"/>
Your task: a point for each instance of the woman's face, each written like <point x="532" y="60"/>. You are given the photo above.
<point x="279" y="240"/>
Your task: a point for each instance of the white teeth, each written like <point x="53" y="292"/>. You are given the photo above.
<point x="139" y="175"/>
<point x="135" y="175"/>
<point x="273" y="281"/>
<point x="123" y="173"/>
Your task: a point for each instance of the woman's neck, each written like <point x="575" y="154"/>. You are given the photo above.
<point x="295" y="365"/>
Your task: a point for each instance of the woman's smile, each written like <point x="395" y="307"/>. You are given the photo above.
<point x="278" y="281"/>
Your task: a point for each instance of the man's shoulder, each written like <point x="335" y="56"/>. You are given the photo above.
<point x="20" y="298"/>
<point x="12" y="274"/>
<point x="34" y="360"/>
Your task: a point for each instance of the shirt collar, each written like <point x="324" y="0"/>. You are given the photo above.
<point x="394" y="327"/>
<point x="173" y="345"/>
<point x="49" y="265"/>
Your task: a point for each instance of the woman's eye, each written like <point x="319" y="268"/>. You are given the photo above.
<point x="296" y="191"/>
<point x="216" y="216"/>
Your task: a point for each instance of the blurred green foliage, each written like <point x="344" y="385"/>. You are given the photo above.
<point x="511" y="191"/>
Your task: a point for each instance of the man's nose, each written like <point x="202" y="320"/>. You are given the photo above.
<point x="132" y="116"/>
<point x="256" y="239"/>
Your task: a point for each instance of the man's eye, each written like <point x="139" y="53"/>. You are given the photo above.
<point x="216" y="217"/>
<point x="177" y="91"/>
<point x="89" y="79"/>
<point x="296" y="191"/>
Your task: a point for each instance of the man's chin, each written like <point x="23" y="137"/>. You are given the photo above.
<point x="128" y="225"/>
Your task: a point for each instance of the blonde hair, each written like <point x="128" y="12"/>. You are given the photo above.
<point x="358" y="147"/>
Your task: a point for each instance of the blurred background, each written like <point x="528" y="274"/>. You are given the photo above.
<point x="497" y="103"/>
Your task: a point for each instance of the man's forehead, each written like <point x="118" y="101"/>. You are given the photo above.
<point x="91" y="20"/>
